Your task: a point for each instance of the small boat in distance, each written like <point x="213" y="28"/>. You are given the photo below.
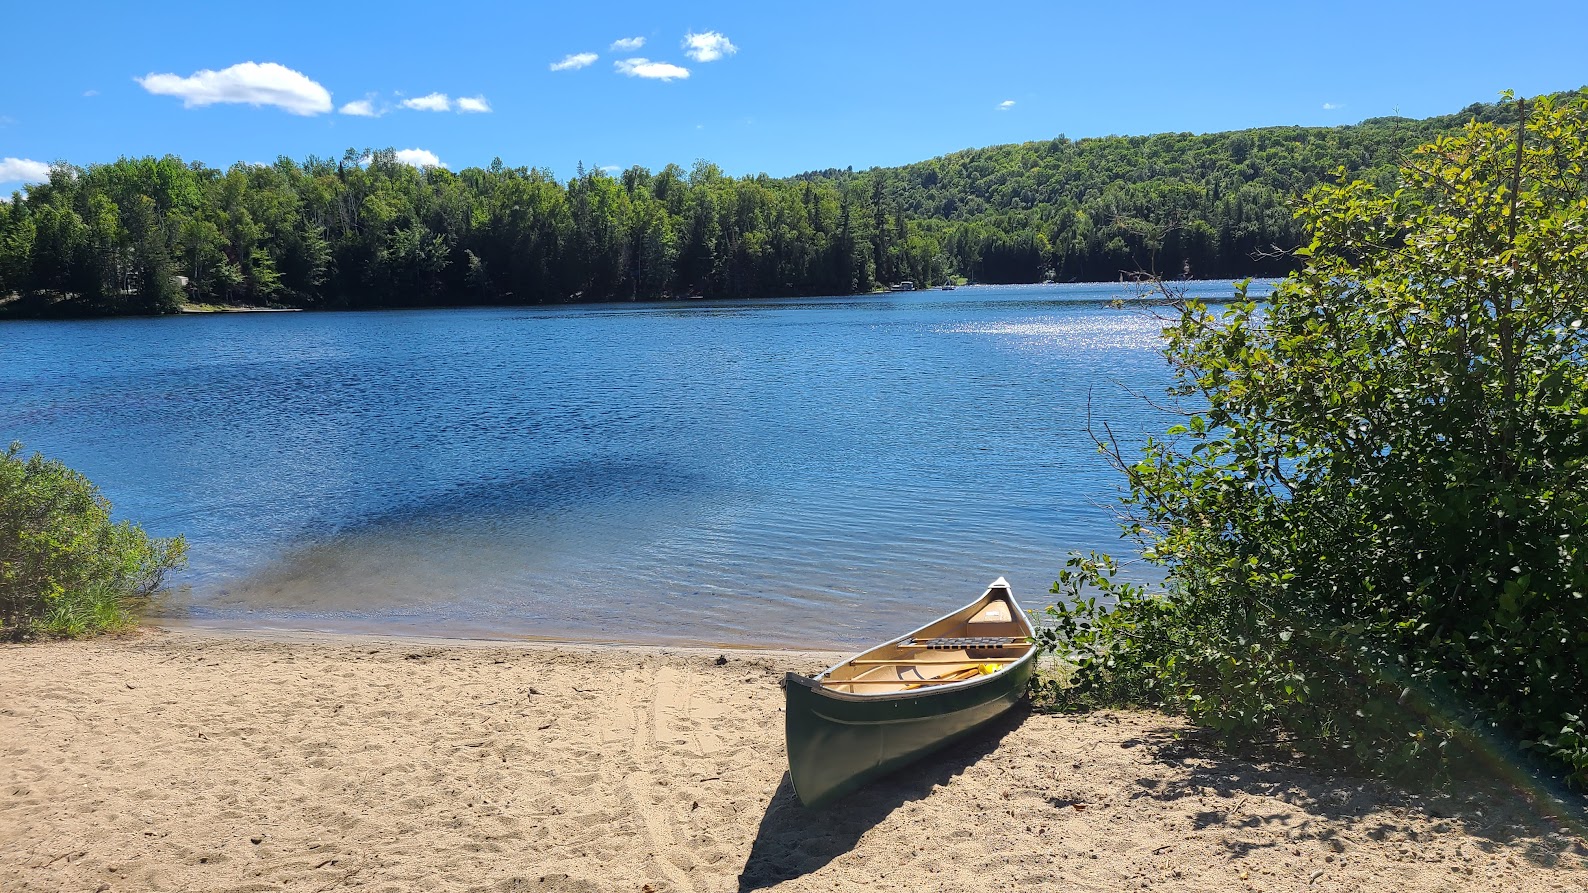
<point x="891" y="705"/>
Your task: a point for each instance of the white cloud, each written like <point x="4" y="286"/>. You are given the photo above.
<point x="90" y="92"/>
<point x="708" y="46"/>
<point x="361" y="108"/>
<point x="611" y="168"/>
<point x="1006" y="105"/>
<point x="419" y="158"/>
<point x="645" y="68"/>
<point x="433" y="102"/>
<point x="574" y="61"/>
<point x="628" y="44"/>
<point x="247" y="82"/>
<point x="1331" y="106"/>
<point x="23" y="170"/>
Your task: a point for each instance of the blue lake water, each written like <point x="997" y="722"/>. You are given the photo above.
<point x="820" y="472"/>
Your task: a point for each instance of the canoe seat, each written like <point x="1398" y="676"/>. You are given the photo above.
<point x="955" y="643"/>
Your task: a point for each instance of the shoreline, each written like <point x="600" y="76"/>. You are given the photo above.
<point x="332" y="638"/>
<point x="362" y="632"/>
<point x="223" y="308"/>
<point x="199" y="759"/>
<point x="188" y="309"/>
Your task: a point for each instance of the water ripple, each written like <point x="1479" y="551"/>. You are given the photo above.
<point x="808" y="471"/>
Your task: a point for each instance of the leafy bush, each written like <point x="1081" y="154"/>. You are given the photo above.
<point x="65" y="568"/>
<point x="1372" y="526"/>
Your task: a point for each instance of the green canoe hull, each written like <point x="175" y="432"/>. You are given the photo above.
<point x="839" y="742"/>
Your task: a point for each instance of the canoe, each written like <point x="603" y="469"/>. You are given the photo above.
<point x="889" y="706"/>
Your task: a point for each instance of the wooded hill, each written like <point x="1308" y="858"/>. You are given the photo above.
<point x="145" y="235"/>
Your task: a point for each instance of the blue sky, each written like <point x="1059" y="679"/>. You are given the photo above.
<point x="772" y="87"/>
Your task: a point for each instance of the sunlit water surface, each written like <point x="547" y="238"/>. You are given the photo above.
<point x="819" y="472"/>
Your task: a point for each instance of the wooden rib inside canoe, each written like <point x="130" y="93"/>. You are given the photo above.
<point x="982" y="638"/>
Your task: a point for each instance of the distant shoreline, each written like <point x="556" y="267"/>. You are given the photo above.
<point x="223" y="308"/>
<point x="8" y="313"/>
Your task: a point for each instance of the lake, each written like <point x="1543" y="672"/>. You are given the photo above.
<point x="811" y="472"/>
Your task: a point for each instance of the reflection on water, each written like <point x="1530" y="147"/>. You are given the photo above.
<point x="810" y="471"/>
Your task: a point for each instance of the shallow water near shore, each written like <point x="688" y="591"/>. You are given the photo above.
<point x="811" y="472"/>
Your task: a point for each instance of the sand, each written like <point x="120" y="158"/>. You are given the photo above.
<point x="223" y="761"/>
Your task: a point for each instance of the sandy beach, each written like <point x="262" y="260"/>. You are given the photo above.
<point x="186" y="760"/>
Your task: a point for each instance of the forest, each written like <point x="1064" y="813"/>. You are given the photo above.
<point x="148" y="235"/>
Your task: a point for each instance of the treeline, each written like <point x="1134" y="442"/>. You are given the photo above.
<point x="1207" y="206"/>
<point x="147" y="235"/>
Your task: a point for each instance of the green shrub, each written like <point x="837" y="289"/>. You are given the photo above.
<point x="65" y="568"/>
<point x="1371" y="526"/>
